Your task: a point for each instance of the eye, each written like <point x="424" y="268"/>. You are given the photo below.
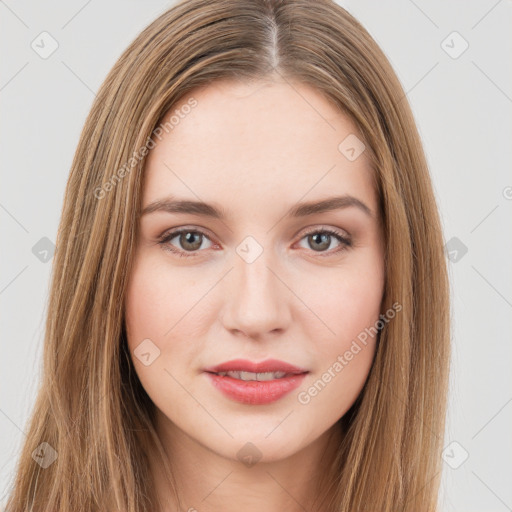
<point x="190" y="241"/>
<point x="320" y="240"/>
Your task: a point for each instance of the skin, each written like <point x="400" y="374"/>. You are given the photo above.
<point x="255" y="150"/>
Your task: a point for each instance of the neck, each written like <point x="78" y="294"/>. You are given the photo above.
<point x="209" y="482"/>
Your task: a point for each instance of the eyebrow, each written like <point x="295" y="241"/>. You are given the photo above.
<point x="173" y="205"/>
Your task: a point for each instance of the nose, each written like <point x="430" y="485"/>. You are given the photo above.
<point x="256" y="299"/>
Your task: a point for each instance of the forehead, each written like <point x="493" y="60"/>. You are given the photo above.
<point x="253" y="144"/>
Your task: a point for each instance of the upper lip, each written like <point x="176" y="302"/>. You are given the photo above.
<point x="243" y="365"/>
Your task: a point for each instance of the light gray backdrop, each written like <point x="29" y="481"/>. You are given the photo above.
<point x="454" y="61"/>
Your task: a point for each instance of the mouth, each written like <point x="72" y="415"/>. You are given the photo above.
<point x="255" y="383"/>
<point x="246" y="366"/>
<point x="252" y="376"/>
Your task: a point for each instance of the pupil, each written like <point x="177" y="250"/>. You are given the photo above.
<point x="325" y="245"/>
<point x="189" y="236"/>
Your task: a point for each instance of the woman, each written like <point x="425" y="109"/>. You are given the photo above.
<point x="249" y="302"/>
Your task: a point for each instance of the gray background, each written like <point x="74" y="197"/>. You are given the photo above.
<point x="463" y="105"/>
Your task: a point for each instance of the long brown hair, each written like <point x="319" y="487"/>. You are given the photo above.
<point x="91" y="408"/>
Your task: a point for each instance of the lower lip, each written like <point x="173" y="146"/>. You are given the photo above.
<point x="256" y="392"/>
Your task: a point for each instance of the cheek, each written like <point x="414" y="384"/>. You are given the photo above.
<point x="343" y="359"/>
<point x="156" y="299"/>
<point x="161" y="305"/>
<point x="349" y="305"/>
<point x="144" y="303"/>
<point x="156" y="310"/>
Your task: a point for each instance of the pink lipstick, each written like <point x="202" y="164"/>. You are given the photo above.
<point x="253" y="383"/>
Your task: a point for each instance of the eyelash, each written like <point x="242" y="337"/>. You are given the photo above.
<point x="346" y="243"/>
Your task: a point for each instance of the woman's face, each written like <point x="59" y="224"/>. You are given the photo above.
<point x="254" y="276"/>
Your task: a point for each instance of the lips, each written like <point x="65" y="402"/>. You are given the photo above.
<point x="242" y="365"/>
<point x="255" y="383"/>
